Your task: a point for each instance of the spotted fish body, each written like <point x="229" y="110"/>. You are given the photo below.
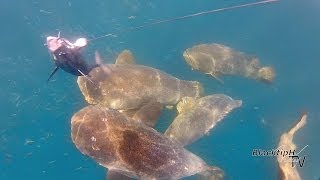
<point x="198" y="116"/>
<point x="129" y="86"/>
<point x="217" y="59"/>
<point x="131" y="148"/>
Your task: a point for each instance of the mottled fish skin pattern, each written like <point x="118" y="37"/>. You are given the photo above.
<point x="130" y="86"/>
<point x="147" y="114"/>
<point x="131" y="148"/>
<point x="216" y="59"/>
<point x="193" y="123"/>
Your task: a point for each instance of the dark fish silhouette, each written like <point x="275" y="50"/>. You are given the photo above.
<point x="67" y="56"/>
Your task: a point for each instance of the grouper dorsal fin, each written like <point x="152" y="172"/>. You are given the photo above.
<point x="149" y="113"/>
<point x="185" y="104"/>
<point x="97" y="57"/>
<point x="53" y="72"/>
<point x="104" y="67"/>
<point x="125" y="57"/>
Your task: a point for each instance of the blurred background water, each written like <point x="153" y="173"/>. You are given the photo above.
<point x="35" y="117"/>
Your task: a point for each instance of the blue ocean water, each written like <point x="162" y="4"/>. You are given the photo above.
<point x="35" y="117"/>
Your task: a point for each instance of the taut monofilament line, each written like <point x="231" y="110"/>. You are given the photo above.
<point x="187" y="16"/>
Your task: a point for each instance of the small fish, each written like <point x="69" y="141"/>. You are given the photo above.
<point x="67" y="56"/>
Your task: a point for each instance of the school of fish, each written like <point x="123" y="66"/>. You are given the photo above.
<point x="126" y="100"/>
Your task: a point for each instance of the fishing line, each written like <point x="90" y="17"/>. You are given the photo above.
<point x="186" y="17"/>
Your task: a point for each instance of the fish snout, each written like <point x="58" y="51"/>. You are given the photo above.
<point x="190" y="60"/>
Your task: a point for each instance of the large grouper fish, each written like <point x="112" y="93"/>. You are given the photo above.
<point x="217" y="59"/>
<point x="125" y="85"/>
<point x="132" y="148"/>
<point x="198" y="116"/>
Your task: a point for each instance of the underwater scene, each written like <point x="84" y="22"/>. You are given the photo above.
<point x="141" y="89"/>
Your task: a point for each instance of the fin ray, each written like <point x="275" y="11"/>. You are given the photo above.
<point x="53" y="72"/>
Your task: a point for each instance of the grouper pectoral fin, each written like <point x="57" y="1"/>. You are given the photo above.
<point x="149" y="113"/>
<point x="216" y="77"/>
<point x="52" y="73"/>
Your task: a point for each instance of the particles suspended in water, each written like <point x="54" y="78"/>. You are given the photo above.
<point x="186" y="17"/>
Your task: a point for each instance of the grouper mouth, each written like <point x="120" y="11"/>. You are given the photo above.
<point x="190" y="60"/>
